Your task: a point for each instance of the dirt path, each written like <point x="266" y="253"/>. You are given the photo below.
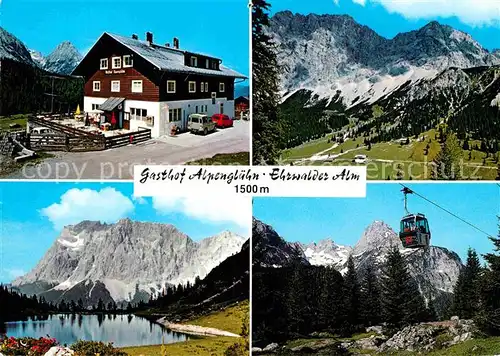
<point x="194" y="329"/>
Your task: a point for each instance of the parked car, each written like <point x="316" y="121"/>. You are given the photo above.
<point x="40" y="130"/>
<point x="222" y="120"/>
<point x="359" y="159"/>
<point x="198" y="123"/>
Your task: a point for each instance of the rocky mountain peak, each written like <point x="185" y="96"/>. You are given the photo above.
<point x="435" y="269"/>
<point x="126" y="259"/>
<point x="332" y="55"/>
<point x="271" y="250"/>
<point x="12" y="48"/>
<point x="327" y="253"/>
<point x="377" y="235"/>
<point x="63" y="59"/>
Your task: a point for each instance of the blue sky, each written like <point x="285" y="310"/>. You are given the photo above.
<point x="479" y="18"/>
<point x="217" y="27"/>
<point x="344" y="220"/>
<point x="33" y="214"/>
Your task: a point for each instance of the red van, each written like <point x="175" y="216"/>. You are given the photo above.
<point x="222" y="120"/>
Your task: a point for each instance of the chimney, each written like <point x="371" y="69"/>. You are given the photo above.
<point x="176" y="43"/>
<point x="149" y="37"/>
<point x="135" y="37"/>
<point x="167" y="44"/>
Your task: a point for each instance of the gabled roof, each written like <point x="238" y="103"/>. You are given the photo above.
<point x="169" y="59"/>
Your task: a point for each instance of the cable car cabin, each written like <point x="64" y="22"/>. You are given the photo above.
<point x="415" y="232"/>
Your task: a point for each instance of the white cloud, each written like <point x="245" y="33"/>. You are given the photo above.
<point x="471" y="12"/>
<point x="76" y="205"/>
<point x="12" y="273"/>
<point x="229" y="209"/>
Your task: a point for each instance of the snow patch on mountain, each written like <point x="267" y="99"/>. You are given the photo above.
<point x="37" y="57"/>
<point x="327" y="253"/>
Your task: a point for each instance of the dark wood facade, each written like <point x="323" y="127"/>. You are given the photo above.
<point x="154" y="81"/>
<point x="150" y="90"/>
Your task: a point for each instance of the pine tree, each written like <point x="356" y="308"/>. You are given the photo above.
<point x="296" y="297"/>
<point x="402" y="303"/>
<point x="100" y="305"/>
<point x="352" y="293"/>
<point x="447" y="162"/>
<point x="266" y="123"/>
<point x="488" y="317"/>
<point x="331" y="299"/>
<point x="465" y="294"/>
<point x="370" y="301"/>
<point x="80" y="304"/>
<point x="73" y="306"/>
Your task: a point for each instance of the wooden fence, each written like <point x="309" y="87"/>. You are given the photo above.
<point x="62" y="142"/>
<point x="128" y="138"/>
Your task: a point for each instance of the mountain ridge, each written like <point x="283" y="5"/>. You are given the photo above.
<point x="62" y="60"/>
<point x="435" y="270"/>
<point x="325" y="53"/>
<point x="128" y="260"/>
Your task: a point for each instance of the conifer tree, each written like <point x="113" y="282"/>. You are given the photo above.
<point x="330" y="313"/>
<point x="402" y="303"/>
<point x="488" y="317"/>
<point x="352" y="297"/>
<point x="266" y="123"/>
<point x="465" y="294"/>
<point x="296" y="297"/>
<point x="447" y="162"/>
<point x="370" y="301"/>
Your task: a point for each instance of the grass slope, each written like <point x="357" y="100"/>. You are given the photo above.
<point x="230" y="319"/>
<point x="385" y="158"/>
<point x="203" y="346"/>
<point x="223" y="159"/>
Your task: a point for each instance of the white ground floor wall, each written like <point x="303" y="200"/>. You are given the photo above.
<point x="159" y="111"/>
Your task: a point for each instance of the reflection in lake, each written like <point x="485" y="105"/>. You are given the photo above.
<point x="122" y="330"/>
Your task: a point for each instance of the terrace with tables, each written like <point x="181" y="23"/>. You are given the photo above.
<point x="91" y="131"/>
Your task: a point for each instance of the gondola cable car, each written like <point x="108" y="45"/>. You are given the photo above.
<point x="414" y="231"/>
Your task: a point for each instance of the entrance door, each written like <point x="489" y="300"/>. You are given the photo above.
<point x="126" y="121"/>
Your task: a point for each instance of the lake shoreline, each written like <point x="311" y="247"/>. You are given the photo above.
<point x="138" y="330"/>
<point x="194" y="329"/>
